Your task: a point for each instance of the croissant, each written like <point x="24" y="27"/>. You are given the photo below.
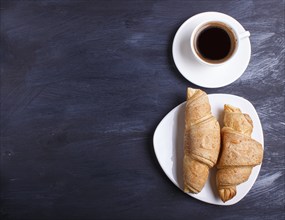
<point x="240" y="153"/>
<point x="201" y="141"/>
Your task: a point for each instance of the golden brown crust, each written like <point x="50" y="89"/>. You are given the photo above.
<point x="194" y="170"/>
<point x="234" y="119"/>
<point x="227" y="193"/>
<point x="240" y="153"/>
<point x="201" y="140"/>
<point x="232" y="176"/>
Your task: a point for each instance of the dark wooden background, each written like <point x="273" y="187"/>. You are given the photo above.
<point x="84" y="85"/>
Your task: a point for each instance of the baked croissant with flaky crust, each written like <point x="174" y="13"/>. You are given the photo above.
<point x="239" y="154"/>
<point x="201" y="140"/>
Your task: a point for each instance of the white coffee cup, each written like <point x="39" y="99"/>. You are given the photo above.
<point x="214" y="43"/>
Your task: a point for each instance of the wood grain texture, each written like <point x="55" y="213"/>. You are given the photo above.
<point x="85" y="83"/>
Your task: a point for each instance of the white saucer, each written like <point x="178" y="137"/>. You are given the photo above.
<point x="199" y="74"/>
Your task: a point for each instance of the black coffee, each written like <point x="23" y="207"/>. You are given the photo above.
<point x="214" y="43"/>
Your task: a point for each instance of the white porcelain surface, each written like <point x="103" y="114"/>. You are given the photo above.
<point x="199" y="73"/>
<point x="168" y="147"/>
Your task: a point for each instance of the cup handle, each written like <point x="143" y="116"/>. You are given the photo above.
<point x="244" y="35"/>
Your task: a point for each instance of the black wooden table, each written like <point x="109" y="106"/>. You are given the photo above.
<point x="84" y="85"/>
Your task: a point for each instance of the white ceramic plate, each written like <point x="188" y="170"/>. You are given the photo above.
<point x="199" y="74"/>
<point x="168" y="146"/>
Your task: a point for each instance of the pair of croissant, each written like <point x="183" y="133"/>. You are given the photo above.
<point x="239" y="153"/>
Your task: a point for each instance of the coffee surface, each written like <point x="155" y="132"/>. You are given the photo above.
<point x="214" y="43"/>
